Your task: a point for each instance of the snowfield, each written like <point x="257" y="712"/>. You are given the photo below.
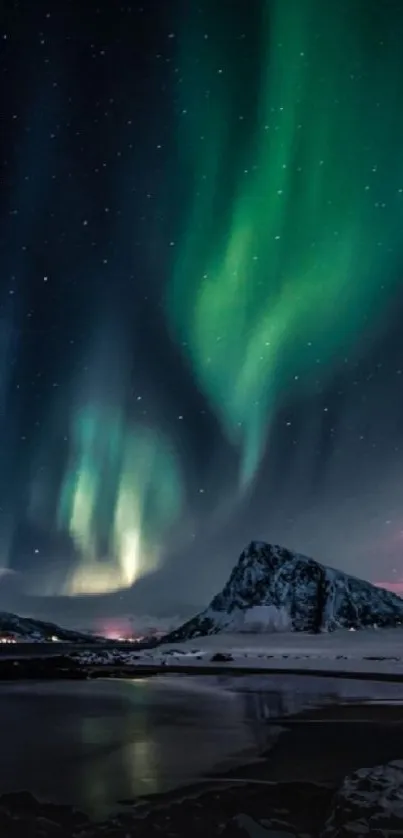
<point x="365" y="652"/>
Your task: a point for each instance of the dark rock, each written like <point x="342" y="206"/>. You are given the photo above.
<point x="369" y="799"/>
<point x="43" y="668"/>
<point x="46" y="827"/>
<point x="284" y="810"/>
<point x="19" y="801"/>
<point x="294" y="808"/>
<point x="243" y="826"/>
<point x="29" y="817"/>
<point x="221" y="657"/>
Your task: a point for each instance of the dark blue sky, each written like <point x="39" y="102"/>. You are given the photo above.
<point x="119" y="487"/>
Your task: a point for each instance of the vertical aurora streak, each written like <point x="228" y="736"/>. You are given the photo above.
<point x="120" y="489"/>
<point x="284" y="248"/>
<point x="121" y="492"/>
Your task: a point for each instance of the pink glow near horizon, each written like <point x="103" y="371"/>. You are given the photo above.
<point x="395" y="587"/>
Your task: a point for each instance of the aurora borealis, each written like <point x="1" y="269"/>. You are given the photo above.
<point x="201" y="295"/>
<point x="295" y="254"/>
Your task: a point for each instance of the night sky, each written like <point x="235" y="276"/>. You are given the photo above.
<point x="201" y="296"/>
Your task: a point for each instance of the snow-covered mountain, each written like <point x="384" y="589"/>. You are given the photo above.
<point x="272" y="588"/>
<point x="26" y="629"/>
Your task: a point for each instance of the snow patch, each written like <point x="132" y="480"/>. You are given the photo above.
<point x="266" y="618"/>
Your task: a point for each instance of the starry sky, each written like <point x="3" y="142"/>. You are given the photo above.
<point x="201" y="296"/>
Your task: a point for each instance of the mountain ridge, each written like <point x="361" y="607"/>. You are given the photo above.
<point x="287" y="590"/>
<point x="32" y="630"/>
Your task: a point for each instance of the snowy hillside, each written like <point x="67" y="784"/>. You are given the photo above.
<point x="26" y="629"/>
<point x="274" y="589"/>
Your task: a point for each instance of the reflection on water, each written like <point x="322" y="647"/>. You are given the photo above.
<point x="97" y="742"/>
<point x="261" y="707"/>
<point x="124" y="767"/>
<point x="93" y="743"/>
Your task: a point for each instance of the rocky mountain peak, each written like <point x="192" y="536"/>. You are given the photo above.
<point x="270" y="582"/>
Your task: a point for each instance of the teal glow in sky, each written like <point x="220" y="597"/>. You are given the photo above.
<point x="121" y="488"/>
<point x="291" y="239"/>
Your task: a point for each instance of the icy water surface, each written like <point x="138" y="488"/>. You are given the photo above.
<point x="93" y="743"/>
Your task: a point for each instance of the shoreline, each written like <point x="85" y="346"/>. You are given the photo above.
<point x="62" y="667"/>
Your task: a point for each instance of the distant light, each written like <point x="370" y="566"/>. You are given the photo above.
<point x="55" y="639"/>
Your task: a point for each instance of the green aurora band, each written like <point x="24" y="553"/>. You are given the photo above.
<point x="120" y="494"/>
<point x="290" y="245"/>
<point x="121" y="489"/>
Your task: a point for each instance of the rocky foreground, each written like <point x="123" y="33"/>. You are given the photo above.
<point x="369" y="802"/>
<point x="62" y="666"/>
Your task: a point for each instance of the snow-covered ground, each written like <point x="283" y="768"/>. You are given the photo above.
<point x="368" y="651"/>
